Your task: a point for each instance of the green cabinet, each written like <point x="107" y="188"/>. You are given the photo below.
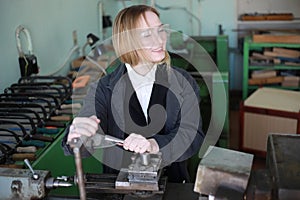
<point x="248" y="67"/>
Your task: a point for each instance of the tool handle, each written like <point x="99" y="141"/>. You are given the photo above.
<point x="22" y="156"/>
<point x="71" y="106"/>
<point x="47" y="130"/>
<point x="29" y="149"/>
<point x="35" y="143"/>
<point x="113" y="139"/>
<point x="55" y="123"/>
<point x="41" y="138"/>
<point x="61" y="118"/>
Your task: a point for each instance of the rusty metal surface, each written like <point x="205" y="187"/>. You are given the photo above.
<point x="18" y="184"/>
<point x="102" y="186"/>
<point x="283" y="161"/>
<point x="76" y="144"/>
<point x="223" y="167"/>
<point x="260" y="185"/>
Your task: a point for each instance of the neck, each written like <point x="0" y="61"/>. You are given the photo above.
<point x="143" y="68"/>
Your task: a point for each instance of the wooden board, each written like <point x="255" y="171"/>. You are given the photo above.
<point x="257" y="128"/>
<point x="294" y="39"/>
<point x="264" y="17"/>
<point x="268" y="110"/>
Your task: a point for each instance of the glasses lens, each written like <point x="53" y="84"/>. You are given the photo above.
<point x="150" y="35"/>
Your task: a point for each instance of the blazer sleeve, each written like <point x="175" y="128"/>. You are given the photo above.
<point x="183" y="134"/>
<point x="87" y="110"/>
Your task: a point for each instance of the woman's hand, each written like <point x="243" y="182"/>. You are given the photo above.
<point x="86" y="126"/>
<point x="139" y="144"/>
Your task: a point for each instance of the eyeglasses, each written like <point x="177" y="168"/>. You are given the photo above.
<point x="148" y="36"/>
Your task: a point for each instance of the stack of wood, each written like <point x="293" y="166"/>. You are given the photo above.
<point x="291" y="81"/>
<point x="275" y="56"/>
<point x="266" y="16"/>
<point x="265" y="77"/>
<point x="270" y="77"/>
<point x="280" y="35"/>
<point x="284" y="56"/>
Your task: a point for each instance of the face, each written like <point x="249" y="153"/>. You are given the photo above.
<point x="153" y="37"/>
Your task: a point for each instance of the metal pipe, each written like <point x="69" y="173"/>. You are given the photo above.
<point x="79" y="172"/>
<point x="20" y="29"/>
<point x="184" y="9"/>
<point x="145" y="158"/>
<point x="76" y="144"/>
<point x="100" y="14"/>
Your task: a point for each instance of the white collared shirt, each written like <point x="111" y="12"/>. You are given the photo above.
<point x="142" y="83"/>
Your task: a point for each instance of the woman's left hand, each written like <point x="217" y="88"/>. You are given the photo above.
<point x="139" y="144"/>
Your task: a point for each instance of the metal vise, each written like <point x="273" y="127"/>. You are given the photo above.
<point x="142" y="174"/>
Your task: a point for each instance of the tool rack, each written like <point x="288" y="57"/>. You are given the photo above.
<point x="27" y="109"/>
<point x="34" y="113"/>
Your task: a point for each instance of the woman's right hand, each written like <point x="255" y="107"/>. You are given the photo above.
<point x="86" y="126"/>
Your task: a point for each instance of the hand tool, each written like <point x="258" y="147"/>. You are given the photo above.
<point x="29" y="149"/>
<point x="35" y="88"/>
<point x="22" y="156"/>
<point x="100" y="141"/>
<point x="25" y="135"/>
<point x="36" y="111"/>
<point x="10" y="154"/>
<point x="26" y="96"/>
<point x="64" y="118"/>
<point x="71" y="106"/>
<point x="66" y="82"/>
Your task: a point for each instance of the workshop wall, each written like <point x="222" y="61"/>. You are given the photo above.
<point x="51" y="24"/>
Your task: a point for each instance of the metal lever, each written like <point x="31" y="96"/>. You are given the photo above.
<point x="76" y="143"/>
<point x="113" y="139"/>
<point x="35" y="176"/>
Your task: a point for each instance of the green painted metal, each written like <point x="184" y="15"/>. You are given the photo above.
<point x="220" y="82"/>
<point x="54" y="160"/>
<point x="222" y="53"/>
<point x="245" y="68"/>
<point x="249" y="45"/>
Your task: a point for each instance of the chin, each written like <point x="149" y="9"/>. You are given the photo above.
<point x="157" y="58"/>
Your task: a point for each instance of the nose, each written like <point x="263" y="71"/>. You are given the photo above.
<point x="157" y="40"/>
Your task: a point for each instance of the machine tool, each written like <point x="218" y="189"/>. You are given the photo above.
<point x="141" y="178"/>
<point x="23" y="184"/>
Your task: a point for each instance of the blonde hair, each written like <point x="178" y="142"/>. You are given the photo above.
<point x="123" y="37"/>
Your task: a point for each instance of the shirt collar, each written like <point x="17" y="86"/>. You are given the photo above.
<point x="137" y="78"/>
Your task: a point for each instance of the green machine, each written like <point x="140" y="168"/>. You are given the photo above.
<point x="212" y="50"/>
<point x="205" y="51"/>
<point x="53" y="159"/>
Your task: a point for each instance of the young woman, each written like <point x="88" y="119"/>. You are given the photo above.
<point x="153" y="106"/>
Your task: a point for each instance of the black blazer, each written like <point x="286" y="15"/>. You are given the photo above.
<point x="177" y="128"/>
